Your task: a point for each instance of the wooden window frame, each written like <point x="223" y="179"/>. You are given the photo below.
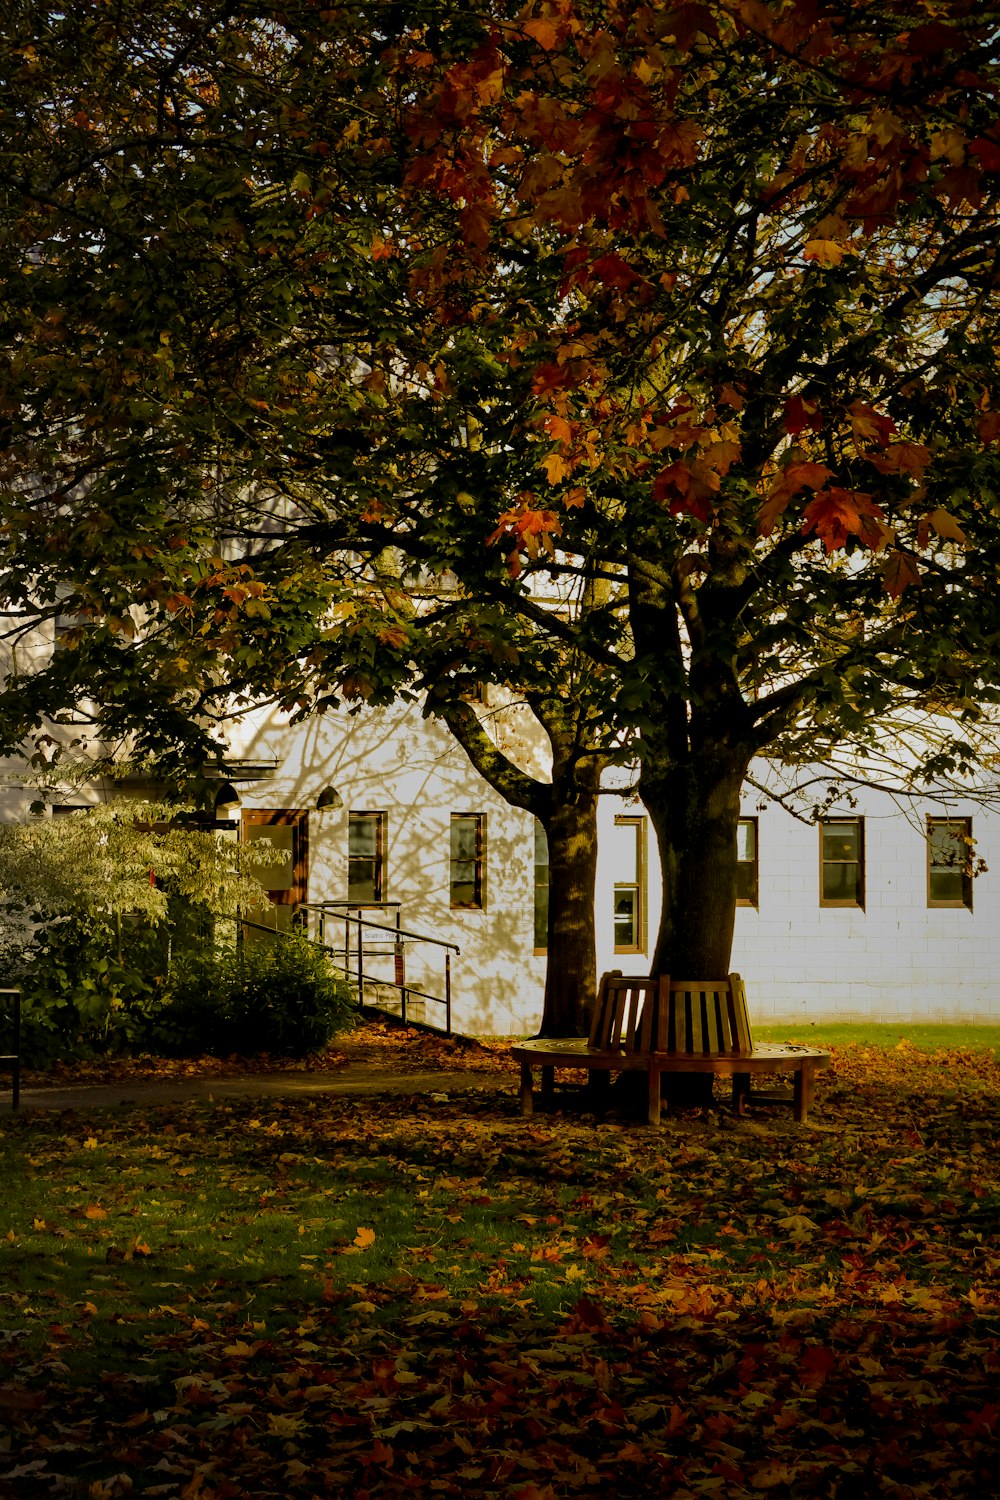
<point x="754" y="901"/>
<point x="828" y="901"/>
<point x="536" y="886"/>
<point x="638" y="822"/>
<point x="356" y="816"/>
<point x="966" y="902"/>
<point x="478" y="903"/>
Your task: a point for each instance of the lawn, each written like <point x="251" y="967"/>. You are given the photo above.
<point x="433" y="1296"/>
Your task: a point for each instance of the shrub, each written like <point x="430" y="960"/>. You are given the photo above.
<point x="79" y="996"/>
<point x="281" y="996"/>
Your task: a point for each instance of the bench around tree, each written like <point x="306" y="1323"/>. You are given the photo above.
<point x="665" y="1025"/>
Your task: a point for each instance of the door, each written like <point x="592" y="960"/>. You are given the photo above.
<point x="287" y="884"/>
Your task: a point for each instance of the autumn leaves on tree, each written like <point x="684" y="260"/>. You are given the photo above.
<point x="688" y="312"/>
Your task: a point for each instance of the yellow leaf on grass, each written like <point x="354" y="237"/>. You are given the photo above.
<point x="799" y="1226"/>
<point x="90" y="1144"/>
<point x="364" y="1238"/>
<point x="285" y="1426"/>
<point x="95" y="1211"/>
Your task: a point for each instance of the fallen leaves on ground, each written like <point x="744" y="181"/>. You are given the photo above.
<point x="420" y="1297"/>
<point x="378" y="1043"/>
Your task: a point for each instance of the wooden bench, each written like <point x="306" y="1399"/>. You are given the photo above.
<point x="10" y="1019"/>
<point x="664" y="1025"/>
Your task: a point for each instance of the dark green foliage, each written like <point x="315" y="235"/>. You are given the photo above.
<point x="279" y="995"/>
<point x="86" y="989"/>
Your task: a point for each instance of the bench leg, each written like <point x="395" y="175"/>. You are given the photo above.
<point x="527" y="1090"/>
<point x="548" y="1087"/>
<point x="599" y="1088"/>
<point x="741" y="1092"/>
<point x="805" y="1078"/>
<point x="653" y="1112"/>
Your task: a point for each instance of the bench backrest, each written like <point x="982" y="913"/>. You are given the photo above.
<point x="622" y="1002"/>
<point x="686" y="1016"/>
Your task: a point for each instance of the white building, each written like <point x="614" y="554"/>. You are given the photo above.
<point x="865" y="916"/>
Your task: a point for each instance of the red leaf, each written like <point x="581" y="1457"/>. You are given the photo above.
<point x="987" y="151"/>
<point x="837" y="514"/>
<point x="800" y="415"/>
<point x="816" y="1364"/>
<point x="788" y="482"/>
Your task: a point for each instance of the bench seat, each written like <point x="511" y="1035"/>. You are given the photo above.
<point x="659" y="1026"/>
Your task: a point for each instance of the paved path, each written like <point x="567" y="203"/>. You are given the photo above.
<point x="361" y="1078"/>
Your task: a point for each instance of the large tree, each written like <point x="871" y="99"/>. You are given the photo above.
<point x="695" y="305"/>
<point x="202" y="494"/>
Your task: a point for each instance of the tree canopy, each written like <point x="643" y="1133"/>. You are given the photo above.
<point x="693" y="302"/>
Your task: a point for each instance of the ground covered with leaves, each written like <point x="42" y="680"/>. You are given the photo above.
<point x="432" y="1296"/>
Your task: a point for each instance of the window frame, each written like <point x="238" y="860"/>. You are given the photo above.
<point x="836" y="902"/>
<point x="638" y="822"/>
<point x="355" y="817"/>
<point x="935" y="903"/>
<point x="539" y="885"/>
<point x="478" y="902"/>
<point x="754" y="901"/>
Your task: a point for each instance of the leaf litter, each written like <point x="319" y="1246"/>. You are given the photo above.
<point x="414" y="1296"/>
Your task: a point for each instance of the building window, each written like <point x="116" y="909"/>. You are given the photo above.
<point x="842" y="862"/>
<point x="541" y="889"/>
<point x="629" y="853"/>
<point x="365" y="857"/>
<point x="949" y="862"/>
<point x="746" y="862"/>
<point x="468" y="860"/>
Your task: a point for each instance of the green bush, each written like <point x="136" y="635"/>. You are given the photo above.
<point x="79" y="998"/>
<point x="281" y="996"/>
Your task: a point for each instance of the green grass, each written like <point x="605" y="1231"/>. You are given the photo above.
<point x="931" y="1036"/>
<point x="434" y="1296"/>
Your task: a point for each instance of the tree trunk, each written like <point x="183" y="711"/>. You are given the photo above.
<point x="566" y="807"/>
<point x="694" y="807"/>
<point x="571" y="968"/>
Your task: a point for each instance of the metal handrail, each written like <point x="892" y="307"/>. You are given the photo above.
<point x="405" y="990"/>
<point x="344" y="916"/>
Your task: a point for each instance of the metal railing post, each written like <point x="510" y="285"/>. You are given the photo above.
<point x="447" y="994"/>
<point x="361" y="960"/>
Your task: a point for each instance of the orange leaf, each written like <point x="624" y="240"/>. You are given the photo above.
<point x="364" y="1238"/>
<point x="901" y="458"/>
<point x="869" y="425"/>
<point x="543" y="32"/>
<point x="94" y="1211"/>
<point x="899" y="572"/>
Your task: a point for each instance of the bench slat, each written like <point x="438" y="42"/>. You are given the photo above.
<point x="713" y="1041"/>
